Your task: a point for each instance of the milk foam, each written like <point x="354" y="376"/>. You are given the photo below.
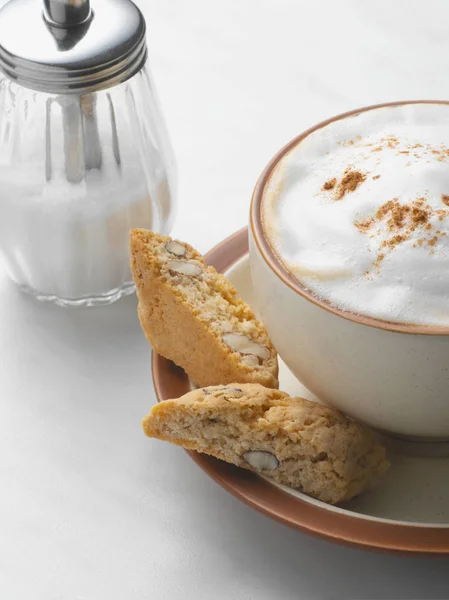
<point x="344" y="247"/>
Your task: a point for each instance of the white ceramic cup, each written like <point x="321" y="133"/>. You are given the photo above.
<point x="392" y="376"/>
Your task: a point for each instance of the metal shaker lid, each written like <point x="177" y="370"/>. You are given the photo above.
<point x="67" y="46"/>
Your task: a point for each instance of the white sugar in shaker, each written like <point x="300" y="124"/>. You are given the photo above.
<point x="84" y="155"/>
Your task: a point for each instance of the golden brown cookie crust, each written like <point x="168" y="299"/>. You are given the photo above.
<point x="316" y="449"/>
<point x="184" y="317"/>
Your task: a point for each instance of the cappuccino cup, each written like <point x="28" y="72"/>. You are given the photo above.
<point x="349" y="255"/>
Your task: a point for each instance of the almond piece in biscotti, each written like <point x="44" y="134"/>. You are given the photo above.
<point x="175" y="248"/>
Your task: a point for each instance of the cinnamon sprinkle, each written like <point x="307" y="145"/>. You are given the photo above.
<point x="378" y="260"/>
<point x="350" y="182"/>
<point x="445" y="199"/>
<point x="441" y="153"/>
<point x="400" y="222"/>
<point x="329" y="185"/>
<point x="346" y="143"/>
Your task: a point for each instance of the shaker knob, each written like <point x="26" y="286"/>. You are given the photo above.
<point x="67" y="13"/>
<point x="67" y="47"/>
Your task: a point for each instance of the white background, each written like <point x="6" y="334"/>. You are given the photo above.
<point x="89" y="508"/>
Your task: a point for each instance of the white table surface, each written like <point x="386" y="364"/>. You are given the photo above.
<point x="89" y="508"/>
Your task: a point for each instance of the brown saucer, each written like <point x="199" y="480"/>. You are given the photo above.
<point x="351" y="524"/>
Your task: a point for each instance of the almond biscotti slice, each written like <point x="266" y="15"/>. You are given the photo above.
<point x="191" y="315"/>
<point x="298" y="443"/>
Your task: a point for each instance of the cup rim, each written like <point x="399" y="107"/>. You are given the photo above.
<point x="275" y="264"/>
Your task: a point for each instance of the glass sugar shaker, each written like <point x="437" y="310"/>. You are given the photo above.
<point x="84" y="155"/>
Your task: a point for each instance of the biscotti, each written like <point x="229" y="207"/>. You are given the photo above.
<point x="294" y="441"/>
<point x="192" y="315"/>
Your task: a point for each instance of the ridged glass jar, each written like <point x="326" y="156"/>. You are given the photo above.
<point x="77" y="172"/>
